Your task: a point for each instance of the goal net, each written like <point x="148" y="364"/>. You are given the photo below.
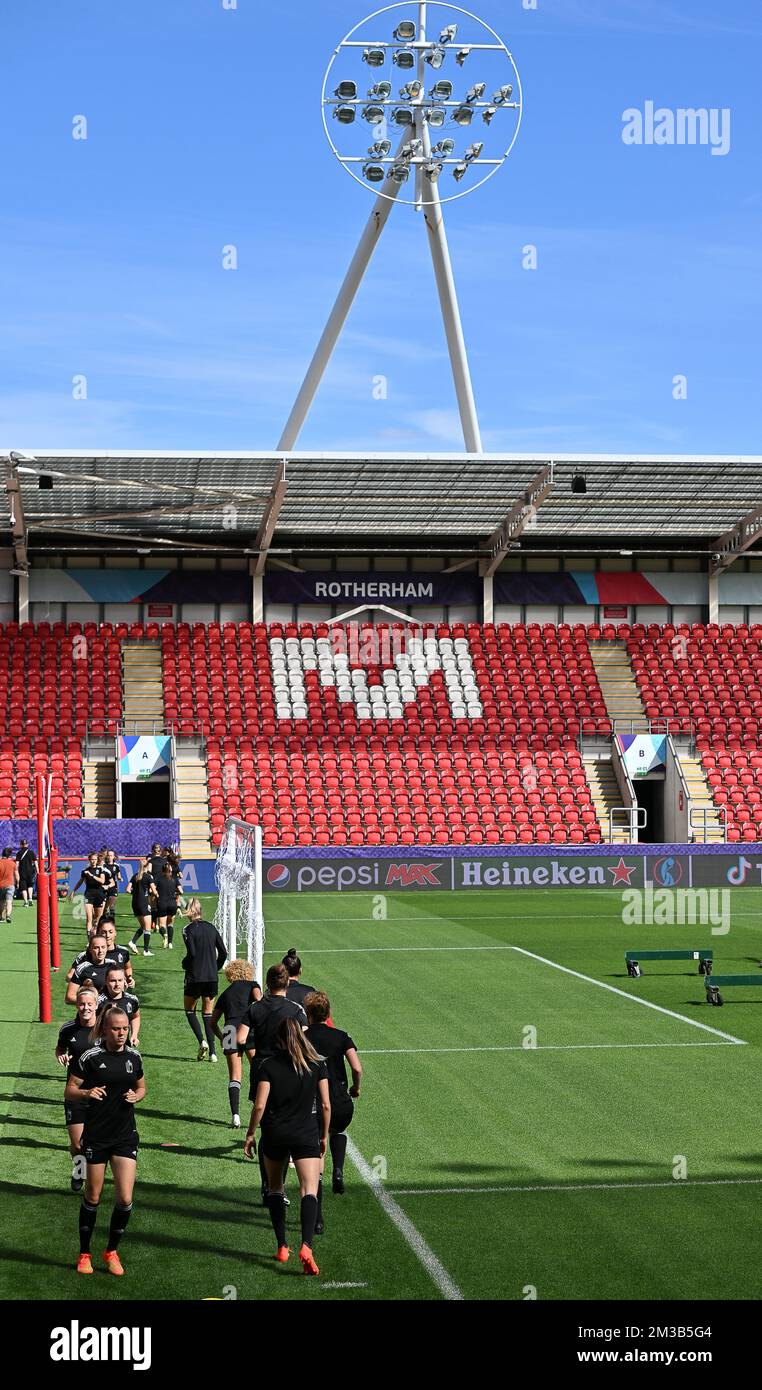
<point x="238" y="874"/>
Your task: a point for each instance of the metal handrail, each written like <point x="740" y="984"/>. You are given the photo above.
<point x="701" y="814"/>
<point x="632" y="822"/>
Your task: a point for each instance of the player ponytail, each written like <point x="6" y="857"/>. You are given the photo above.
<point x="292" y="963"/>
<point x="104" y="1017"/>
<point x="292" y="1040"/>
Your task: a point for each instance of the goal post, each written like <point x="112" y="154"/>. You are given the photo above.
<point x="238" y="874"/>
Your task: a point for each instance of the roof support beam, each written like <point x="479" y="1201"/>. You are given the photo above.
<point x="270" y="519"/>
<point x="734" y="542"/>
<point x="518" y="519"/>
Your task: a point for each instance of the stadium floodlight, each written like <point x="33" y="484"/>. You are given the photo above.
<point x="489" y="115"/>
<point x="412" y="149"/>
<point x="411" y="90"/>
<point x="380" y="91"/>
<point x="405" y="31"/>
<point x="503" y="95"/>
<point x="346" y="91"/>
<point x="436" y="57"/>
<point x="344" y="114"/>
<point x="385" y="168"/>
<point x="476" y="92"/>
<point x="473" y="151"/>
<point x="460" y="171"/>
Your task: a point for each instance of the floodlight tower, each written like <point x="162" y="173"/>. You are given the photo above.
<point x="415" y="113"/>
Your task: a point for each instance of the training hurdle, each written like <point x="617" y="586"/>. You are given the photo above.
<point x="632" y="960"/>
<point x="713" y="995"/>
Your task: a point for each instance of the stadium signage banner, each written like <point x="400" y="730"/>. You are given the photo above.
<point x="334" y="587"/>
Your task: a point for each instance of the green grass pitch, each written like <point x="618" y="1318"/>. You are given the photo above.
<point x="515" y="1171"/>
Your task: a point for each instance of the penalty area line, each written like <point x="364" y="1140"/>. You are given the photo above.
<point x="544" y="1047"/>
<point x="676" y="1183"/>
<point x="423" y="1252"/>
<point x="647" y="1004"/>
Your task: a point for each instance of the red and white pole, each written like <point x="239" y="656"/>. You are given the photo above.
<point x="43" y="909"/>
<point x="55" y="940"/>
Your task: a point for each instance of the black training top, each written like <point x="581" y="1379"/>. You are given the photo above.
<point x="205" y="952"/>
<point x="291" y="1111"/>
<point x="117" y="955"/>
<point x="75" y="1040"/>
<point x="117" y="874"/>
<point x="87" y="971"/>
<point x="332" y="1044"/>
<point x="235" y="1000"/>
<point x="139" y="885"/>
<point x="264" y="1018"/>
<point x="129" y="1002"/>
<point x="95" y="883"/>
<point x="27" y="863"/>
<point x="157" y="862"/>
<point x="111" y="1120"/>
<point x="168" y="891"/>
<point x="298" y="992"/>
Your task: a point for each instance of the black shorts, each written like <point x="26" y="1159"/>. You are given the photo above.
<point x="75" y="1112"/>
<point x="278" y="1150"/>
<point x="95" y="899"/>
<point x="197" y="988"/>
<point x="342" y="1111"/>
<point x="136" y="912"/>
<point x="125" y="1148"/>
<point x="26" y="882"/>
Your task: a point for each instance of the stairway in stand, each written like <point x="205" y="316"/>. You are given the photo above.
<point x="143" y="690"/>
<point x="620" y="690"/>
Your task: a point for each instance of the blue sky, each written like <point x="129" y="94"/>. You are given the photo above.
<point x="649" y="259"/>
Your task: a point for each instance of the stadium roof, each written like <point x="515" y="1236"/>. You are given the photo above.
<point x="247" y="503"/>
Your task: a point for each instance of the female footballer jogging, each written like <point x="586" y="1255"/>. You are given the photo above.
<point x="109" y="1077"/>
<point x="293" y="1106"/>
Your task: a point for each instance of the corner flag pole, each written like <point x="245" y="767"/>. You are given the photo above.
<point x="43" y="909"/>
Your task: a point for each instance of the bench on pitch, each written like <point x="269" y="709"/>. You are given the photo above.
<point x="632" y="960"/>
<point x="713" y="995"/>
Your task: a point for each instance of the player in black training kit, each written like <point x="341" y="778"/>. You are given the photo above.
<point x="296" y="990"/>
<point x="205" y="955"/>
<point x="143" y="891"/>
<point x="258" y="1034"/>
<point x="109" y="1076"/>
<point x="74" y="1038"/>
<point x="232" y="1004"/>
<point x="335" y="1046"/>
<point x="293" y="1106"/>
<point x="116" y="993"/>
<point x="95" y="881"/>
<point x="90" y="966"/>
<point x="116" y="871"/>
<point x="117" y="955"/>
<point x="167" y="903"/>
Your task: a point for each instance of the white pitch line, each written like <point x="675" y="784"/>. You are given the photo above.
<point x="572" y="1187"/>
<point x="545" y="1047"/>
<point x="433" y="1266"/>
<point x="376" y="950"/>
<point x="634" y="998"/>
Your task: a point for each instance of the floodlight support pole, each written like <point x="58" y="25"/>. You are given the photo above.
<point x="340" y="313"/>
<point x="445" y="278"/>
